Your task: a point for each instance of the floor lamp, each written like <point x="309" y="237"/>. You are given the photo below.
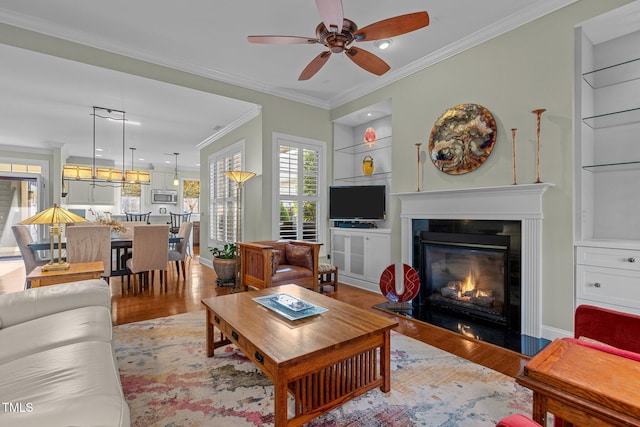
<point x="54" y="216"/>
<point x="239" y="177"/>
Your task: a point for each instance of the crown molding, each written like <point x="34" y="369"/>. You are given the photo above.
<point x="245" y="118"/>
<point x="536" y="10"/>
<point x="43" y="27"/>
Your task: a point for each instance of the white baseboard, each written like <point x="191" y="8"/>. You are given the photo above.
<point x="554" y="333"/>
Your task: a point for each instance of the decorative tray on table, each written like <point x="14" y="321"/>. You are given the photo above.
<point x="290" y="307"/>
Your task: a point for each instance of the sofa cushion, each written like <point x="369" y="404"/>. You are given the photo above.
<point x="290" y="273"/>
<point x="72" y="385"/>
<point x="22" y="306"/>
<point x="299" y="256"/>
<point x="82" y="324"/>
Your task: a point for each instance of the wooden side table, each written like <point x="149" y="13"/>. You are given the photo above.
<point x="76" y="271"/>
<point x="583" y="386"/>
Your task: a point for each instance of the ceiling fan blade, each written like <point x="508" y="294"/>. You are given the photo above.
<point x="367" y="60"/>
<point x="314" y="66"/>
<point x="331" y="13"/>
<point x="392" y="27"/>
<point x="281" y="40"/>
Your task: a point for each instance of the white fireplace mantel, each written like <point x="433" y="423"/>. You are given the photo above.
<point x="510" y="202"/>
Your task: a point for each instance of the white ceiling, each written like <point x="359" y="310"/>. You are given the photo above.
<point x="47" y="100"/>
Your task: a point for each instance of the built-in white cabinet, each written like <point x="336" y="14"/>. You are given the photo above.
<point x="607" y="159"/>
<point x="608" y="278"/>
<point x="86" y="193"/>
<point x="361" y="255"/>
<point x="351" y="152"/>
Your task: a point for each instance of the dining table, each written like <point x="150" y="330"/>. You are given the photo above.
<point x="119" y="247"/>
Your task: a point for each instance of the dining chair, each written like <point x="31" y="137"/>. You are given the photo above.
<point x="177" y="219"/>
<point x="88" y="244"/>
<point x="150" y="251"/>
<point x="31" y="258"/>
<point x="129" y="226"/>
<point x="179" y="252"/>
<point x="145" y="217"/>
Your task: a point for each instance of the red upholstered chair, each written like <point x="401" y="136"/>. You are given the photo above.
<point x="614" y="328"/>
<point x="517" y="420"/>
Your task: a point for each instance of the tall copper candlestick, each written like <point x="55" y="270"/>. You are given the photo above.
<point x="538" y="113"/>
<point x="418" y="144"/>
<point x="513" y="144"/>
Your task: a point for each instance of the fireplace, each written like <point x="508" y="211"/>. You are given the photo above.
<point x="483" y="211"/>
<point x="470" y="270"/>
<point x="466" y="273"/>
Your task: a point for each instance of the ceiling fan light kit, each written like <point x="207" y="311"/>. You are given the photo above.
<point x="337" y="34"/>
<point x="383" y="44"/>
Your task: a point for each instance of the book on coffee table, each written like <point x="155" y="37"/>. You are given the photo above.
<point x="289" y="307"/>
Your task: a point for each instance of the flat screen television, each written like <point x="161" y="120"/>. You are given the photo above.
<point x="357" y="202"/>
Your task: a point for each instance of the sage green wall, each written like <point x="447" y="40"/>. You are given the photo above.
<point x="528" y="68"/>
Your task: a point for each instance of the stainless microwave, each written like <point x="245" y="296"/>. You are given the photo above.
<point x="164" y="197"/>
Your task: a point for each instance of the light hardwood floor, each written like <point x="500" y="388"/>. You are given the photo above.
<point x="180" y="296"/>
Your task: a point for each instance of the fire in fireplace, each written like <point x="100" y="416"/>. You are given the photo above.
<point x="466" y="273"/>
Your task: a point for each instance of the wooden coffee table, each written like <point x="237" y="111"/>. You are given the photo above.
<point x="583" y="386"/>
<point x="323" y="361"/>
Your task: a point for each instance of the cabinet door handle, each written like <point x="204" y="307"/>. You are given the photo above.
<point x="234" y="335"/>
<point x="259" y="357"/>
<point x="597" y="284"/>
<point x="631" y="260"/>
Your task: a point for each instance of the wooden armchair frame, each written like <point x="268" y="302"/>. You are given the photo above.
<point x="256" y="266"/>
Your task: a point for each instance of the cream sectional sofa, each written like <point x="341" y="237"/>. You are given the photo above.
<point x="57" y="364"/>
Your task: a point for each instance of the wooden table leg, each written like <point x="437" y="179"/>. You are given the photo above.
<point x="385" y="362"/>
<point x="539" y="408"/>
<point x="280" y="402"/>
<point x="209" y="327"/>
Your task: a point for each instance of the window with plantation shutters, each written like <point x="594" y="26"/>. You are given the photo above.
<point x="299" y="189"/>
<point x="222" y="195"/>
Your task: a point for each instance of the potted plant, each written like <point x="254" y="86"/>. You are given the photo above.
<point x="224" y="262"/>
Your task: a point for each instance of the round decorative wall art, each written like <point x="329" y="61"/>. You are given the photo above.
<point x="462" y="138"/>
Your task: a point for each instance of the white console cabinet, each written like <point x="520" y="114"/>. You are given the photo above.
<point x="607" y="160"/>
<point x="361" y="255"/>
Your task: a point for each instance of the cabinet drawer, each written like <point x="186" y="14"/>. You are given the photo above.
<point x="608" y="285"/>
<point x="627" y="259"/>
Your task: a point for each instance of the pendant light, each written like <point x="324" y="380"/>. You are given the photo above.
<point x="106" y="176"/>
<point x="176" y="179"/>
<point x="136" y="176"/>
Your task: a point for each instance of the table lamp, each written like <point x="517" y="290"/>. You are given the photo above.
<point x="54" y="216"/>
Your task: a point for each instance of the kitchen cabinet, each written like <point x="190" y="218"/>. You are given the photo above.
<point x="86" y="193"/>
<point x="163" y="181"/>
<point x="361" y="255"/>
<point x="607" y="159"/>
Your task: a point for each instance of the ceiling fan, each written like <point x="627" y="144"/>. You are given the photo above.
<point x="337" y="33"/>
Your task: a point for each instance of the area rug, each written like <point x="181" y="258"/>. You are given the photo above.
<point x="168" y="380"/>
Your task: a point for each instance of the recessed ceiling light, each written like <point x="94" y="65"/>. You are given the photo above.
<point x="382" y="44"/>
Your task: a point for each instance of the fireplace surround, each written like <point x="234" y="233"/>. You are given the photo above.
<point x="520" y="203"/>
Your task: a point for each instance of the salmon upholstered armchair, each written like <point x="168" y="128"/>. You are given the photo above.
<point x="278" y="262"/>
